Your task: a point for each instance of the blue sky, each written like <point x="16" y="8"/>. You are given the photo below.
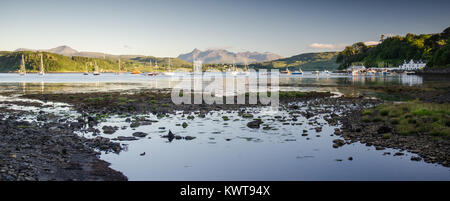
<point x="169" y="28"/>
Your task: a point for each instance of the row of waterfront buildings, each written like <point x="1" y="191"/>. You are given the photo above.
<point x="406" y="66"/>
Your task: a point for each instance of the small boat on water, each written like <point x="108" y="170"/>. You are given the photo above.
<point x="355" y="73"/>
<point x="86" y="72"/>
<point x="299" y="72"/>
<point x="315" y="72"/>
<point x="245" y="72"/>
<point x="41" y="68"/>
<point x="287" y="72"/>
<point x="152" y="74"/>
<point x="410" y="72"/>
<point x="96" y="72"/>
<point x="136" y="72"/>
<point x="169" y="73"/>
<point x="22" y="70"/>
<point x="119" y="71"/>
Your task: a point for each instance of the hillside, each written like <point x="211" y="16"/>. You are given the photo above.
<point x="391" y="52"/>
<point x="221" y="56"/>
<point x="307" y="62"/>
<point x="10" y="62"/>
<point x="68" y="51"/>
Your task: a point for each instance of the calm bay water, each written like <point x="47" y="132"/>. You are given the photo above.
<point x="229" y="150"/>
<point x="76" y="82"/>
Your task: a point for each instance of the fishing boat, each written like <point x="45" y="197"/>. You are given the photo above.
<point x="286" y="71"/>
<point x="41" y="68"/>
<point x="22" y="70"/>
<point x="299" y="72"/>
<point x="96" y="72"/>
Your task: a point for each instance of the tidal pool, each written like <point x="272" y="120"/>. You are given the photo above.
<point x="229" y="150"/>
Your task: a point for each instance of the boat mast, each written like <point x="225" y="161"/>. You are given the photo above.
<point x="42" y="66"/>
<point x="96" y="67"/>
<point x="169" y="64"/>
<point x="119" y="65"/>
<point x="22" y="66"/>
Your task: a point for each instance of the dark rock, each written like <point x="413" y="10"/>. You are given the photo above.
<point x="254" y="124"/>
<point x="416" y="158"/>
<point x="108" y="129"/>
<point x="125" y="138"/>
<point x="189" y="138"/>
<point x="384" y="129"/>
<point x="139" y="134"/>
<point x="135" y="124"/>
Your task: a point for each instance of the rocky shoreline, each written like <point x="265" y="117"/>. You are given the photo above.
<point x="51" y="149"/>
<point x="382" y="135"/>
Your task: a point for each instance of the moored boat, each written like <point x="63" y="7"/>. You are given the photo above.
<point x="136" y="72"/>
<point x="286" y="71"/>
<point x="299" y="72"/>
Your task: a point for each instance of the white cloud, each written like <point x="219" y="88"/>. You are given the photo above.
<point x="326" y="46"/>
<point x="371" y="43"/>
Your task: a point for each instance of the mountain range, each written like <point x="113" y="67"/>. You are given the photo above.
<point x="219" y="56"/>
<point x="68" y="51"/>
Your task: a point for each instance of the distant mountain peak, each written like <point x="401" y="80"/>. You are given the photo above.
<point x="63" y="50"/>
<point x="225" y="56"/>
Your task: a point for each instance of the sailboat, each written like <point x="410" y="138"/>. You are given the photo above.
<point x="119" y="72"/>
<point x="245" y="72"/>
<point x="326" y="72"/>
<point x="41" y="69"/>
<point x="169" y="73"/>
<point x="286" y="71"/>
<point x="234" y="71"/>
<point x="22" y="70"/>
<point x="96" y="72"/>
<point x="299" y="72"/>
<point x="85" y="69"/>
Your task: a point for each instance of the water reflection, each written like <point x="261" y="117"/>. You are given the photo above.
<point x="106" y="82"/>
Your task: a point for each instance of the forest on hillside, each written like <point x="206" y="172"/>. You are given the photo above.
<point x="10" y="62"/>
<point x="392" y="51"/>
<point x="306" y="62"/>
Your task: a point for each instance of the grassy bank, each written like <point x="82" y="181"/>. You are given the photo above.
<point x="413" y="118"/>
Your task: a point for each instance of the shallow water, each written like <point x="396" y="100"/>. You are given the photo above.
<point x="229" y="150"/>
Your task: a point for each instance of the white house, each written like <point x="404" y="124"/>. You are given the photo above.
<point x="412" y="65"/>
<point x="356" y="68"/>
